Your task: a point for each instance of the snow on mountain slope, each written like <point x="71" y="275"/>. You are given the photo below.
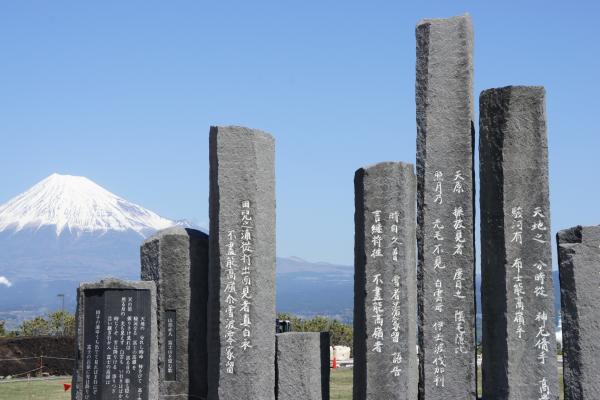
<point x="76" y="204"/>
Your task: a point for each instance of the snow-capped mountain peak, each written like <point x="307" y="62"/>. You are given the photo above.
<point x="77" y="204"/>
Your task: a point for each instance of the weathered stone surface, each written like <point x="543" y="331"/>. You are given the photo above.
<point x="445" y="193"/>
<point x="241" y="311"/>
<point x="106" y="311"/>
<point x="177" y="260"/>
<point x="302" y="366"/>
<point x="385" y="287"/>
<point x="579" y="267"/>
<point x="519" y="344"/>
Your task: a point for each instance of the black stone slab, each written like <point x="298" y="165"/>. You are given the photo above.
<point x="519" y="343"/>
<point x="302" y="366"/>
<point x="579" y="267"/>
<point x="242" y="265"/>
<point x="116" y="342"/>
<point x="170" y="345"/>
<point x="445" y="193"/>
<point x="177" y="260"/>
<point x="385" y="286"/>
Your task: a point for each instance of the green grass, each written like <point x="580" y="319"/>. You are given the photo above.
<point x="341" y="384"/>
<point x="341" y="388"/>
<point x="35" y="390"/>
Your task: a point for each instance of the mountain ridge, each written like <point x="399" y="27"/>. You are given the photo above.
<point x="76" y="204"/>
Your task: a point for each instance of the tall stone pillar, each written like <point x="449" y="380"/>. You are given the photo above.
<point x="579" y="267"/>
<point x="177" y="260"/>
<point x="385" y="293"/>
<point x="446" y="254"/>
<point x="519" y="344"/>
<point x="241" y="309"/>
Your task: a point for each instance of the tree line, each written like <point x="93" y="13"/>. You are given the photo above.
<point x="62" y="323"/>
<point x="340" y="334"/>
<point x="58" y="323"/>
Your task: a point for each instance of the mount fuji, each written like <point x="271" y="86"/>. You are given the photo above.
<point x="64" y="230"/>
<point x="76" y="204"/>
<point x="67" y="229"/>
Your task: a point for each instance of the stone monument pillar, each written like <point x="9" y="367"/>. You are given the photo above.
<point x="302" y="366"/>
<point x="385" y="293"/>
<point x="579" y="267"/>
<point x="241" y="309"/>
<point x="116" y="347"/>
<point x="519" y="344"/>
<point x="177" y="260"/>
<point x="445" y="187"/>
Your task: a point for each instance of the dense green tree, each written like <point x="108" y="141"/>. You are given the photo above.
<point x="3" y="329"/>
<point x="58" y="323"/>
<point x="38" y="326"/>
<point x="341" y="334"/>
<point x="61" y="323"/>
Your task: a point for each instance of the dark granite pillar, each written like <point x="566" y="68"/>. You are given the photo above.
<point x="116" y="345"/>
<point x="519" y="343"/>
<point x="446" y="266"/>
<point x="385" y="293"/>
<point x="302" y="366"/>
<point x="241" y="311"/>
<point x="177" y="260"/>
<point x="579" y="267"/>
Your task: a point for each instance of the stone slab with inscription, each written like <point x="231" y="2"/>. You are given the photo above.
<point x="519" y="343"/>
<point x="177" y="260"/>
<point x="579" y="268"/>
<point x="445" y="193"/>
<point x="385" y="285"/>
<point x="241" y="309"/>
<point x="302" y="366"/>
<point x="116" y="346"/>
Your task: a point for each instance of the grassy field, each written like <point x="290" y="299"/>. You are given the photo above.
<point x="341" y="384"/>
<point x="341" y="388"/>
<point x="35" y="390"/>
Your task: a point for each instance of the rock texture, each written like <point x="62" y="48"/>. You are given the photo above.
<point x="579" y="267"/>
<point x="177" y="260"/>
<point x="241" y="316"/>
<point x="385" y="292"/>
<point x="519" y="345"/>
<point x="302" y="366"/>
<point x="101" y="296"/>
<point x="446" y="254"/>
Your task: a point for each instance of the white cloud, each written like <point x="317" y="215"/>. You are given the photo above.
<point x="4" y="281"/>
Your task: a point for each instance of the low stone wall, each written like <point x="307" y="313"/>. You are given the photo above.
<point x="52" y="355"/>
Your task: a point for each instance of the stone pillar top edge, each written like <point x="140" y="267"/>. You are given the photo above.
<point x="576" y="234"/>
<point x="464" y="18"/>
<point x="176" y="231"/>
<point x="114" y="283"/>
<point x="215" y="130"/>
<point x="539" y="91"/>
<point x="300" y="333"/>
<point x="386" y="164"/>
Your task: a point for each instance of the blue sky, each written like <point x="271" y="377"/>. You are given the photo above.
<point x="124" y="93"/>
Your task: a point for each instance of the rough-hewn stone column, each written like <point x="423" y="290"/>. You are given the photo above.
<point x="177" y="260"/>
<point x="302" y="366"/>
<point x="519" y="343"/>
<point x="444" y="93"/>
<point x="385" y="292"/>
<point x="579" y="267"/>
<point x="241" y="310"/>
